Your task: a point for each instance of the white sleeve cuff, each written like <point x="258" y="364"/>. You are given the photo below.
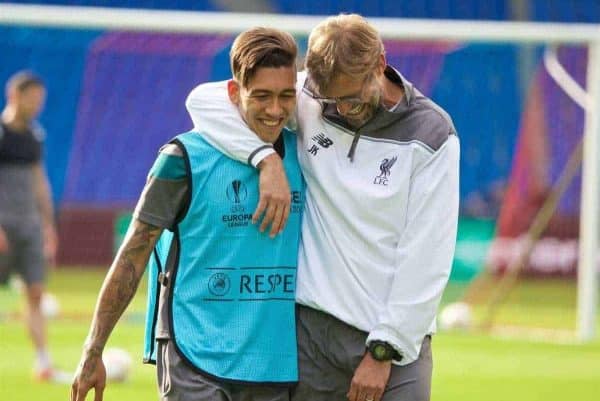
<point x="409" y="353"/>
<point x="260" y="154"/>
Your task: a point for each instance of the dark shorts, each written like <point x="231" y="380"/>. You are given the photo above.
<point x="25" y="255"/>
<point x="178" y="382"/>
<point x="329" y="352"/>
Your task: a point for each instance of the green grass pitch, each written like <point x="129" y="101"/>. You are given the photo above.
<point x="467" y="367"/>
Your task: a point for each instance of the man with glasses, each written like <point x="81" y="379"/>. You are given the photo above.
<point x="379" y="227"/>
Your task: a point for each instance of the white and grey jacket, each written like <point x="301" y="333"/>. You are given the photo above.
<point x="381" y="212"/>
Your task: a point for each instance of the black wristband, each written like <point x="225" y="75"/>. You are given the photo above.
<point x="383" y="351"/>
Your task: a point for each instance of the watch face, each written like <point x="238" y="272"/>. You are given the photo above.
<point x="380" y="352"/>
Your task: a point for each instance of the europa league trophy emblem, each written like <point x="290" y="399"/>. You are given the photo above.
<point x="236" y="191"/>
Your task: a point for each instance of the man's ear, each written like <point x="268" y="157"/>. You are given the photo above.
<point x="11" y="95"/>
<point x="233" y="90"/>
<point x="381" y="64"/>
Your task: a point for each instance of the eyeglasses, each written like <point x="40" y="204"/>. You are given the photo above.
<point x="348" y="100"/>
<point x="368" y="86"/>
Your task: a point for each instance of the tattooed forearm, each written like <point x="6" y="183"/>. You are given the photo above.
<point x="121" y="282"/>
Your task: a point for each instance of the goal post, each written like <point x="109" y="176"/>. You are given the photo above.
<point x="390" y="28"/>
<point x="587" y="279"/>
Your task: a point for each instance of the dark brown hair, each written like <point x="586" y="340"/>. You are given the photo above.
<point x="261" y="47"/>
<point x="22" y="80"/>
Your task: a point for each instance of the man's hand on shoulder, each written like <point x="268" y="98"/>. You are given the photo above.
<point x="275" y="195"/>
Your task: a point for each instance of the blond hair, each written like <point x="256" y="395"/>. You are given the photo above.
<point x="261" y="47"/>
<point x="344" y="44"/>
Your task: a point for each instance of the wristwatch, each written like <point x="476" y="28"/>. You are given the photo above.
<point x="383" y="351"/>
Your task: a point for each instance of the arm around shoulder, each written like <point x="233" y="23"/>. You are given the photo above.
<point x="275" y="195"/>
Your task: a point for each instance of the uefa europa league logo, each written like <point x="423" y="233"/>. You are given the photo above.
<point x="236" y="191"/>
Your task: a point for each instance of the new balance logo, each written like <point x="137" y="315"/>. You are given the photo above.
<point x="313" y="150"/>
<point x="322" y="140"/>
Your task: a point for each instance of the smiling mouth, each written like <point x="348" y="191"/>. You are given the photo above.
<point x="356" y="110"/>
<point x="271" y="123"/>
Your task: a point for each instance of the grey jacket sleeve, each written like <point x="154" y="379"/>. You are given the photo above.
<point x="424" y="254"/>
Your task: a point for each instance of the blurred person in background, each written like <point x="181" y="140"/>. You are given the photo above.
<point x="223" y="325"/>
<point x="379" y="228"/>
<point x="28" y="240"/>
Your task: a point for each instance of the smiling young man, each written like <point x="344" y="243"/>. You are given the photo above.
<point x="379" y="227"/>
<point x="220" y="320"/>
